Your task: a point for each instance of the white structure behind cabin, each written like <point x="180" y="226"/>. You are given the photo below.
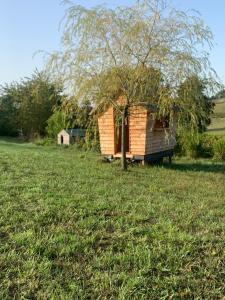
<point x="69" y="136"/>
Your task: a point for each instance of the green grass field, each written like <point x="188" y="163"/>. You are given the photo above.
<point x="73" y="227"/>
<point x="218" y="120"/>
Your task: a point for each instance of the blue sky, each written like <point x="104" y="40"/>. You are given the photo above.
<point x="27" y="26"/>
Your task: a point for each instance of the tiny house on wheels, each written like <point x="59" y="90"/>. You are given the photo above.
<point x="69" y="136"/>
<point x="148" y="139"/>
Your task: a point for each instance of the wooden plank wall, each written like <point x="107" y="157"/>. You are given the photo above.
<point x="106" y="132"/>
<point x="137" y="128"/>
<point x="159" y="140"/>
<point x="142" y="136"/>
<point x="66" y="140"/>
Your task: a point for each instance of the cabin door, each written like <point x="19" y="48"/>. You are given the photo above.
<point x="118" y="137"/>
<point x="61" y="139"/>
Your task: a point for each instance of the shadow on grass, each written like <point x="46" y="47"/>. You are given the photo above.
<point x="13" y="140"/>
<point x="212" y="167"/>
<point x="17" y="143"/>
<point x="215" y="129"/>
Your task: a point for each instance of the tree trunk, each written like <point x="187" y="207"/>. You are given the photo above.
<point x="123" y="142"/>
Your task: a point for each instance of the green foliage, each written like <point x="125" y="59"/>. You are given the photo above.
<point x="189" y="144"/>
<point x="55" y="123"/>
<point x="142" y="52"/>
<point x="72" y="115"/>
<point x="207" y="143"/>
<point x="219" y="149"/>
<point x="76" y="114"/>
<point x="137" y="52"/>
<point x="192" y="95"/>
<point x="44" y="141"/>
<point x="74" y="228"/>
<point x="92" y="136"/>
<point x="139" y="84"/>
<point x="8" y="110"/>
<point x="196" y="146"/>
<point x="27" y="105"/>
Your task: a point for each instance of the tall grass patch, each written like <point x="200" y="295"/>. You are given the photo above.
<point x="219" y="149"/>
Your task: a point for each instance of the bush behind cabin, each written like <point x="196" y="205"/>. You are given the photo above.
<point x="201" y="146"/>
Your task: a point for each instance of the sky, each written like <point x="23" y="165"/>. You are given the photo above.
<point x="29" y="26"/>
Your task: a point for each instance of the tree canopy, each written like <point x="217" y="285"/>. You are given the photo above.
<point x="8" y="110"/>
<point x="193" y="91"/>
<point x="109" y="51"/>
<point x="148" y="35"/>
<point x="25" y="106"/>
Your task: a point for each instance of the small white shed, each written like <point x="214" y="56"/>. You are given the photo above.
<point x="69" y="136"/>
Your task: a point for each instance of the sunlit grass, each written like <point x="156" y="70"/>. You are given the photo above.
<point x="217" y="125"/>
<point x="73" y="227"/>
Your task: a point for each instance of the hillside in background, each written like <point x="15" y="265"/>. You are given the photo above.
<point x="218" y="118"/>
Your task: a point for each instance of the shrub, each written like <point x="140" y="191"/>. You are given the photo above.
<point x="188" y="145"/>
<point x="56" y="122"/>
<point x="219" y="149"/>
<point x="79" y="144"/>
<point x="44" y="142"/>
<point x="194" y="146"/>
<point x="92" y="137"/>
<point x="207" y="145"/>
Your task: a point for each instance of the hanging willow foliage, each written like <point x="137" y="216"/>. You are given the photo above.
<point x="143" y="52"/>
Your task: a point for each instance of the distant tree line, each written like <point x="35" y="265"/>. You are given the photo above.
<point x="36" y="106"/>
<point x="26" y="106"/>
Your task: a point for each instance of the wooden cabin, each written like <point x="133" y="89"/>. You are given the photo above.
<point x="148" y="139"/>
<point x="69" y="136"/>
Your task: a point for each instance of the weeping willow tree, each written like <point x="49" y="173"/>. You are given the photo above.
<point x="193" y="92"/>
<point x="126" y="50"/>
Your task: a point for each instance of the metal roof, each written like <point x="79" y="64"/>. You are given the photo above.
<point x="76" y="132"/>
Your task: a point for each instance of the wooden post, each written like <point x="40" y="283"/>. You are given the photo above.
<point x="143" y="162"/>
<point x="123" y="142"/>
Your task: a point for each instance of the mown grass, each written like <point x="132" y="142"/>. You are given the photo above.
<point x="73" y="227"/>
<point x="219" y="110"/>
<point x="217" y="125"/>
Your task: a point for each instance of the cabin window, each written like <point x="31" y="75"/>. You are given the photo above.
<point x="161" y="124"/>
